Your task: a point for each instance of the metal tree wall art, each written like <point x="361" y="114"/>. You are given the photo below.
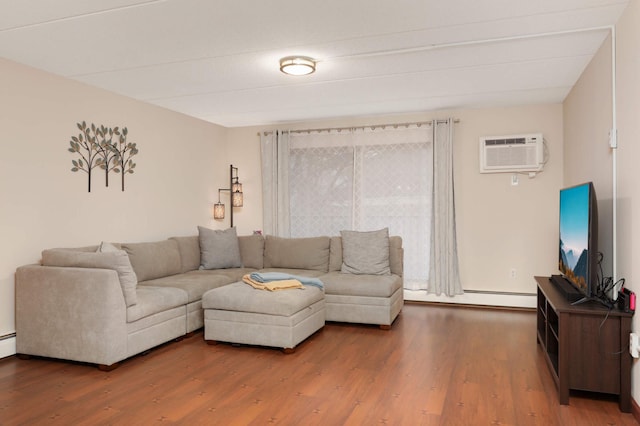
<point x="104" y="141"/>
<point x="85" y="146"/>
<point x="103" y="147"/>
<point x="124" y="151"/>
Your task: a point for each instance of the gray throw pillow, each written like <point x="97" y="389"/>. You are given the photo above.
<point x="365" y="252"/>
<point x="219" y="249"/>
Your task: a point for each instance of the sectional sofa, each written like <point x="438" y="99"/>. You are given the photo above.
<point x="102" y="306"/>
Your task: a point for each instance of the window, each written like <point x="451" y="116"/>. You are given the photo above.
<point x="365" y="179"/>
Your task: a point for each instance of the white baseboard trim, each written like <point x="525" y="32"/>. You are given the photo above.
<point x="512" y="300"/>
<point x="7" y="347"/>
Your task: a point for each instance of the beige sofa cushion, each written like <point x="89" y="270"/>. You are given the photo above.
<point x="335" y="254"/>
<point x="337" y="283"/>
<point x="115" y="260"/>
<point x="252" y="251"/>
<point x="155" y="300"/>
<point x="297" y="253"/>
<point x="189" y="252"/>
<point x="193" y="283"/>
<point x="154" y="260"/>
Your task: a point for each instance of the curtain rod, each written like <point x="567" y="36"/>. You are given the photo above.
<point x="372" y="127"/>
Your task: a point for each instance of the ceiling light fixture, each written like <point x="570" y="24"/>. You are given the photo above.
<point x="297" y="65"/>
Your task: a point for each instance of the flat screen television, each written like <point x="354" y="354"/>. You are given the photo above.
<point x="578" y="254"/>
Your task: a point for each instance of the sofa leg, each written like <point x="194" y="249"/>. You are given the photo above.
<point x="385" y="327"/>
<point x="107" y="368"/>
<point x="211" y="342"/>
<point x="288" y="350"/>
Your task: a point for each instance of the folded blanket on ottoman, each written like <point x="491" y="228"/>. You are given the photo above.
<point x="272" y="285"/>
<point x="267" y="277"/>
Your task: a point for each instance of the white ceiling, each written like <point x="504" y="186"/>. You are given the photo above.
<point x="218" y="59"/>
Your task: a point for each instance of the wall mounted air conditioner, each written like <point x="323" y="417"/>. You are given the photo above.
<point x="515" y="153"/>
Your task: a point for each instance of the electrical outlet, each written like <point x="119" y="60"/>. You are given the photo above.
<point x="514" y="180"/>
<point x="513" y="273"/>
<point x="634" y="345"/>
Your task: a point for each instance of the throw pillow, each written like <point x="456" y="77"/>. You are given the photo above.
<point x="106" y="247"/>
<point x="126" y="275"/>
<point x="365" y="252"/>
<point x="219" y="249"/>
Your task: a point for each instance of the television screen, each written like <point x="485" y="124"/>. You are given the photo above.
<point x="578" y="229"/>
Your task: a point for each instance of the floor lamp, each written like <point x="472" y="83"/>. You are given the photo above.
<point x="235" y="191"/>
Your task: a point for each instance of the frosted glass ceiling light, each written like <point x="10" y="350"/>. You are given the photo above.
<point x="297" y="65"/>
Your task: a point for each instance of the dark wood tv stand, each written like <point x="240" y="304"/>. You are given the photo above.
<point x="586" y="346"/>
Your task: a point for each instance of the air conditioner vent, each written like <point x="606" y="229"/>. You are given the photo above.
<point x="509" y="141"/>
<point x="515" y="153"/>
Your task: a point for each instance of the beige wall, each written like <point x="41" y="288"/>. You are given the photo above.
<point x="181" y="163"/>
<point x="500" y="227"/>
<point x="628" y="107"/>
<point x="587" y="118"/>
<point x="628" y="123"/>
<point x="588" y="156"/>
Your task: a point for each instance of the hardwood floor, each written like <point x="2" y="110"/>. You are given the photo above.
<point x="438" y="365"/>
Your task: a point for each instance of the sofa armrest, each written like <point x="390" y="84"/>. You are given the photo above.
<point x="76" y="314"/>
<point x="396" y="255"/>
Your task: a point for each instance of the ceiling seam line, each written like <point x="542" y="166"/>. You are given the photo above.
<point x="471" y="43"/>
<point x="82" y="15"/>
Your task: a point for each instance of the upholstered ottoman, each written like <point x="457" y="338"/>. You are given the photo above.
<point x="238" y="313"/>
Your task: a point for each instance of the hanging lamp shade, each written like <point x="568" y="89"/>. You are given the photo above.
<point x="236" y="199"/>
<point x="218" y="210"/>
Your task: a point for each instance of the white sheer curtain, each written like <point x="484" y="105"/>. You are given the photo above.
<point x="321" y="184"/>
<point x="360" y="179"/>
<point x="444" y="274"/>
<point x="274" y="148"/>
<point x="367" y="178"/>
<point x="395" y="191"/>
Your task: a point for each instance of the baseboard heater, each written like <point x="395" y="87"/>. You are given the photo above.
<point x="500" y="293"/>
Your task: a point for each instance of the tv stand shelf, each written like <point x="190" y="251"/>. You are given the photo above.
<point x="586" y="346"/>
